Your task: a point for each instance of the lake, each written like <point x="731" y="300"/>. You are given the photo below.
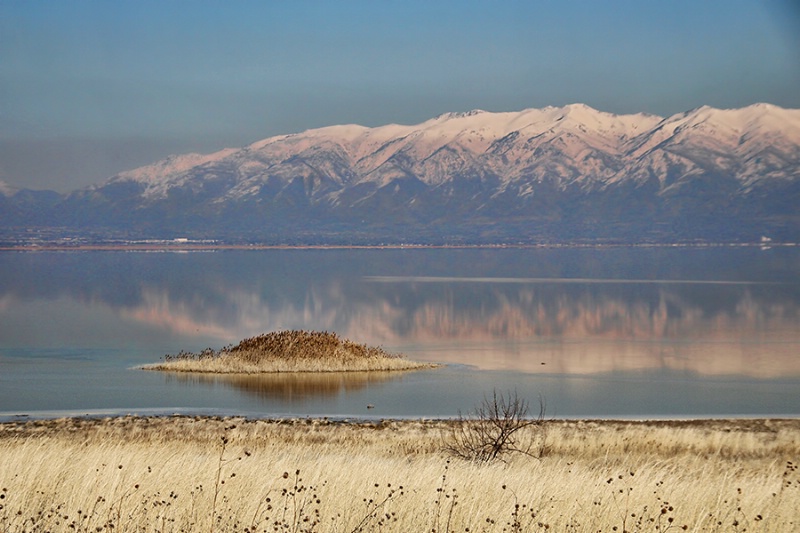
<point x="594" y="332"/>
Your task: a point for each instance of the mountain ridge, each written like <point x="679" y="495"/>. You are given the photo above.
<point x="551" y="174"/>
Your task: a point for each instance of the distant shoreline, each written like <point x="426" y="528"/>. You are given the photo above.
<point x="23" y="424"/>
<point x="191" y="247"/>
<point x="45" y="417"/>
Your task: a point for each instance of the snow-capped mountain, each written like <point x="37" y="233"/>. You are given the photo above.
<point x="506" y="145"/>
<point x="558" y="173"/>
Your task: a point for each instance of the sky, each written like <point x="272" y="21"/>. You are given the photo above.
<point x="91" y="88"/>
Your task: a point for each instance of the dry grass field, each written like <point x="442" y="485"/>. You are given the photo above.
<point x="288" y="351"/>
<point x="166" y="474"/>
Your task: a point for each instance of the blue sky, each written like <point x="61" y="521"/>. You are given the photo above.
<point x="90" y="88"/>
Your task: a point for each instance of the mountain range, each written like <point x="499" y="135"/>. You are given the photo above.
<point x="567" y="174"/>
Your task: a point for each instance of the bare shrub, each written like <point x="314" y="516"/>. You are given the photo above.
<point x="500" y="425"/>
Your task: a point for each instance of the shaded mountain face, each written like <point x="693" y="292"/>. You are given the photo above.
<point x="569" y="174"/>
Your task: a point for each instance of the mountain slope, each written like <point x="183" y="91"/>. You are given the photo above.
<point x="555" y="174"/>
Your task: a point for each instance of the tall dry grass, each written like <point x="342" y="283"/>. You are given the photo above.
<point x="289" y="351"/>
<point x="210" y="474"/>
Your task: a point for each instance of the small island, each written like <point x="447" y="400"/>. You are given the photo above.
<point x="289" y="351"/>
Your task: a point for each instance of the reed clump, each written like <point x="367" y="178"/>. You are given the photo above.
<point x="174" y="474"/>
<point x="289" y="351"/>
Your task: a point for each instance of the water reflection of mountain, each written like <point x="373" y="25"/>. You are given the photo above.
<point x="577" y="311"/>
<point x="290" y="387"/>
<point x="554" y="328"/>
<point x="572" y="328"/>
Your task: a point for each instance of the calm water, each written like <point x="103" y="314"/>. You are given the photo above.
<point x="617" y="332"/>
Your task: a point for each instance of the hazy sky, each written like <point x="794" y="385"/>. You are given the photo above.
<point x="90" y="88"/>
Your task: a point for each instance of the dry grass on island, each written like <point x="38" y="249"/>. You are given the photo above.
<point x="289" y="351"/>
<point x="177" y="474"/>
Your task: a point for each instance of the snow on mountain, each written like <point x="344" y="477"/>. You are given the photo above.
<point x="725" y="130"/>
<point x="570" y="144"/>
<point x="565" y="146"/>
<point x="749" y="144"/>
<point x="462" y="142"/>
<point x="166" y="173"/>
<point x="556" y="171"/>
